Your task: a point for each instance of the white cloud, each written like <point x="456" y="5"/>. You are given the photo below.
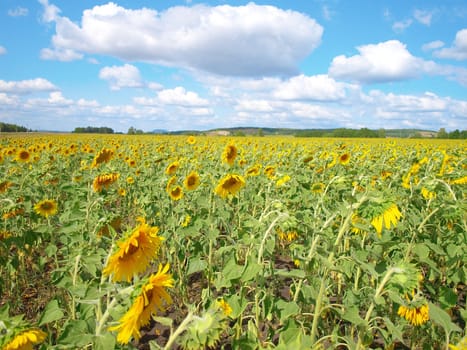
<point x="179" y="96"/>
<point x="26" y="86"/>
<point x="423" y="16"/>
<point x="400" y="26"/>
<point x="6" y="99"/>
<point x="126" y="76"/>
<point x="432" y="45"/>
<point x="377" y="63"/>
<point x="51" y="12"/>
<point x="458" y="50"/>
<point x="317" y="88"/>
<point x="18" y="12"/>
<point x="229" y="40"/>
<point x="64" y="55"/>
<point x="2" y="50"/>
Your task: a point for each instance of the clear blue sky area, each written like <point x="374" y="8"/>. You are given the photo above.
<point x="180" y="65"/>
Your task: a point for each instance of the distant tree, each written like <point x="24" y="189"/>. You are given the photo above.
<point x="134" y="131"/>
<point x="93" y="130"/>
<point x="5" y="127"/>
<point x="442" y="134"/>
<point x="455" y="134"/>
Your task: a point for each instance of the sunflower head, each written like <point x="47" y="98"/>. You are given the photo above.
<point x="176" y="193"/>
<point x="192" y="181"/>
<point x="229" y="154"/>
<point x="344" y="159"/>
<point x="46" y="207"/>
<point x="172" y="168"/>
<point x="23" y="156"/>
<point x="230" y="185"/>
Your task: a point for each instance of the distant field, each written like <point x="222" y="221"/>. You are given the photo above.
<point x="152" y="242"/>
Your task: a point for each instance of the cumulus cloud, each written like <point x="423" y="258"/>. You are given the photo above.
<point x="227" y="40"/>
<point x="18" y="12"/>
<point x="317" y="88"/>
<point x="2" y="50"/>
<point x="177" y="97"/>
<point x="126" y="76"/>
<point x="377" y="63"/>
<point x="26" y="86"/>
<point x="458" y="51"/>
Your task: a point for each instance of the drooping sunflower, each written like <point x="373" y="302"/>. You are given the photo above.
<point x="389" y="217"/>
<point x="172" y="168"/>
<point x="459" y="181"/>
<point x="23" y="156"/>
<point x="415" y="315"/>
<point x="104" y="181"/>
<point x="229" y="185"/>
<point x="254" y="170"/>
<point x="5" y="185"/>
<point x="462" y="345"/>
<point x="427" y="194"/>
<point x="270" y="171"/>
<point x="46" y="207"/>
<point x="134" y="253"/>
<point x="229" y="154"/>
<point x="25" y="340"/>
<point x="192" y="181"/>
<point x="176" y="193"/>
<point x="104" y="156"/>
<point x="153" y="298"/>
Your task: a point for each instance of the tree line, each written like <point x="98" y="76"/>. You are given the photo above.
<point x="93" y="130"/>
<point x="5" y="127"/>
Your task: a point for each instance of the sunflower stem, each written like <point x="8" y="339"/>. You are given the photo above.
<point x="181" y="328"/>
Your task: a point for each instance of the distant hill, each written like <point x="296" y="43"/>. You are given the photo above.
<point x="335" y="132"/>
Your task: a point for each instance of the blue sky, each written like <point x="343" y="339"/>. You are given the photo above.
<point x="180" y="65"/>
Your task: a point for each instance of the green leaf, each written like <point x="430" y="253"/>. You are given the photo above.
<point x="287" y="309"/>
<point x="196" y="265"/>
<point x="104" y="341"/>
<point x="251" y="271"/>
<point x="352" y="315"/>
<point x="75" y="334"/>
<point x="442" y="318"/>
<point x="447" y="297"/>
<point x="52" y="312"/>
<point x="421" y="250"/>
<point x="295" y="273"/>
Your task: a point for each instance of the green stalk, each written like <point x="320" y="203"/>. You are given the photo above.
<point x="181" y="328"/>
<point x="323" y="285"/>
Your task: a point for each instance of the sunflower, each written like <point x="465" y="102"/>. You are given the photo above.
<point x="224" y="306"/>
<point x="5" y="185"/>
<point x="104" y="156"/>
<point x="46" y="207"/>
<point x="459" y="181"/>
<point x="172" y="168"/>
<point x="176" y="193"/>
<point x="427" y="194"/>
<point x="104" y="181"/>
<point x="270" y="171"/>
<point x="462" y="345"/>
<point x="283" y="180"/>
<point x="170" y="184"/>
<point x="134" y="253"/>
<point x="13" y="213"/>
<point x="415" y="315"/>
<point x="23" y="156"/>
<point x="318" y="187"/>
<point x="25" y="340"/>
<point x="229" y="154"/>
<point x="191" y="140"/>
<point x="152" y="298"/>
<point x="344" y="159"/>
<point x="230" y="185"/>
<point x="254" y="170"/>
<point x="389" y="217"/>
<point x="192" y="181"/>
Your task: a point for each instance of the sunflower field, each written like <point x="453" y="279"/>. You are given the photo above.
<point x="196" y="242"/>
